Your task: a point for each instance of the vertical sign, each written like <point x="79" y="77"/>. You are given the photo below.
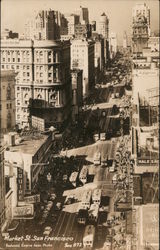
<point x="20" y="184"/>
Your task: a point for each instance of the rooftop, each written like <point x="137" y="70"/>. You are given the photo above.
<point x="29" y="145"/>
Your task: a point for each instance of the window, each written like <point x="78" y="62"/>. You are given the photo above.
<point x="41" y="74"/>
<point x="27" y="67"/>
<point x="18" y="59"/>
<point x="17" y="66"/>
<point x="17" y="88"/>
<point x="28" y="74"/>
<point x="3" y="59"/>
<point x="54" y="56"/>
<point x="7" y="106"/>
<point x="2" y="66"/>
<point x="50" y="74"/>
<point x="24" y="73"/>
<point x="13" y="59"/>
<point x="9" y="60"/>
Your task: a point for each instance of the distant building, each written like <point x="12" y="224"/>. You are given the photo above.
<point x="73" y="20"/>
<point x="42" y="81"/>
<point x="82" y="30"/>
<point x="112" y="45"/>
<point x="103" y="26"/>
<point x="2" y="188"/>
<point x="7" y="34"/>
<point x="125" y="40"/>
<point x="99" y="58"/>
<point x="153" y="43"/>
<point x="103" y="29"/>
<point x="84" y="15"/>
<point x="77" y="92"/>
<point x="7" y="100"/>
<point x="93" y="25"/>
<point x="140" y="27"/>
<point x="45" y="26"/>
<point x="82" y="57"/>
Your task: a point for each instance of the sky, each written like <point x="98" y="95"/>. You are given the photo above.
<point x="14" y="13"/>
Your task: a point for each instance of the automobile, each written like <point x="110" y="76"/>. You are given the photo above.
<point x="52" y="197"/>
<point x="49" y="204"/>
<point x="58" y="206"/>
<point x="47" y="231"/>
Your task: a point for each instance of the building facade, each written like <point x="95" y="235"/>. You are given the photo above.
<point x="112" y="44"/>
<point x="82" y="57"/>
<point x="2" y="188"/>
<point x="103" y="30"/>
<point x="77" y="92"/>
<point x="43" y="74"/>
<point x="84" y="15"/>
<point x="24" y="161"/>
<point x="140" y="27"/>
<point x="73" y="20"/>
<point x="7" y="100"/>
<point x="45" y="26"/>
<point x="103" y="26"/>
<point x="82" y="30"/>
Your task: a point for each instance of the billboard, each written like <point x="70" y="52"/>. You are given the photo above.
<point x="32" y="199"/>
<point x="22" y="211"/>
<point x="20" y="184"/>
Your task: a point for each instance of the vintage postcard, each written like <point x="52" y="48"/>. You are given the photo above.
<point x="79" y="125"/>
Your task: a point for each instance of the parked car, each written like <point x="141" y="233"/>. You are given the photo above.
<point x="47" y="231"/>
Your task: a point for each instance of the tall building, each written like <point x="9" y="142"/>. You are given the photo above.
<point x="63" y="25"/>
<point x="73" y="20"/>
<point x="82" y="30"/>
<point x="77" y="92"/>
<point x="82" y="57"/>
<point x="7" y="100"/>
<point x="84" y="15"/>
<point x="125" y="40"/>
<point x="103" y="26"/>
<point x="43" y="78"/>
<point x="93" y="25"/>
<point x="2" y="189"/>
<point x="98" y="58"/>
<point x="45" y="26"/>
<point x="112" y="44"/>
<point x="103" y="29"/>
<point x="140" y="27"/>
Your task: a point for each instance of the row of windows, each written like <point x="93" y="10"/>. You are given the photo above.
<point x="9" y="105"/>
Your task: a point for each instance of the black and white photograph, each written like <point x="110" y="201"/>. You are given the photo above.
<point x="79" y="125"/>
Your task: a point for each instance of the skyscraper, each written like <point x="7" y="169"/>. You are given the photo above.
<point x="140" y="27"/>
<point x="103" y="26"/>
<point x="45" y="26"/>
<point x="84" y="15"/>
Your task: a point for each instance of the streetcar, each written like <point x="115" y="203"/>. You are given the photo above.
<point x="96" y="196"/>
<point x="97" y="158"/>
<point x="86" y="199"/>
<point x="93" y="212"/>
<point x="88" y="237"/>
<point x="83" y="174"/>
<point x="73" y="178"/>
<point x="102" y="136"/>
